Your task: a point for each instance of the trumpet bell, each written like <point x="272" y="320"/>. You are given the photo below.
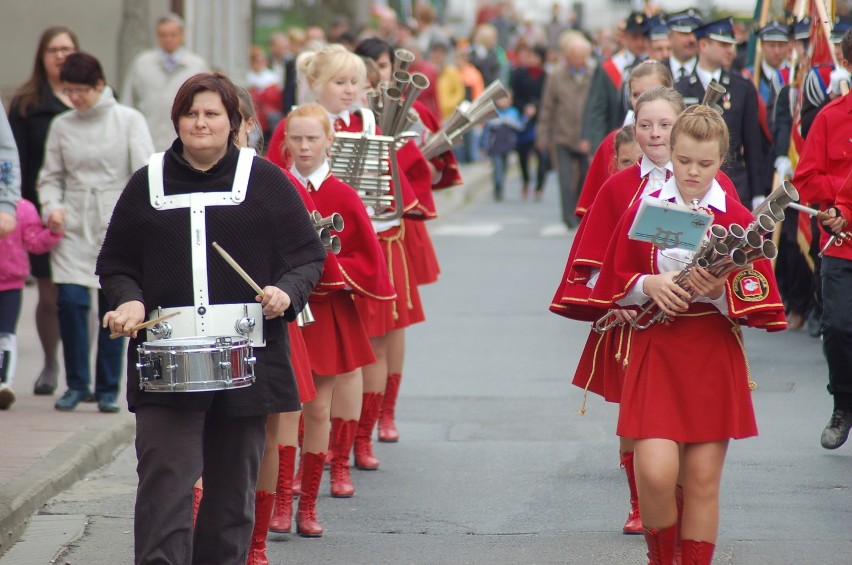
<point x="781" y="196"/>
<point x="713" y="95"/>
<point x="403" y="58"/>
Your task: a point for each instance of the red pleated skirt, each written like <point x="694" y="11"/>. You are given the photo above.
<point x="687" y="381"/>
<point x="600" y="369"/>
<point x="301" y="363"/>
<point x="380" y="318"/>
<point x="337" y="342"/>
<point x="418" y="244"/>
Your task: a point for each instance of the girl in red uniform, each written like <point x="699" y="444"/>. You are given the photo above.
<point x="645" y="76"/>
<point x="686" y="386"/>
<point x="425" y="176"/>
<point x="337" y="342"/>
<point x="601" y="363"/>
<point x="335" y="77"/>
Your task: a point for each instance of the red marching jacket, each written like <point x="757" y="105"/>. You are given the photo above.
<point x="279" y="155"/>
<point x="361" y="260"/>
<point x="752" y="294"/>
<point x="597" y="227"/>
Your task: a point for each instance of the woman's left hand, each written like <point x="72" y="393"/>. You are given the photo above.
<point x="702" y="283"/>
<point x="274" y="301"/>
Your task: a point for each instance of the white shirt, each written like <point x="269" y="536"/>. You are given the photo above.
<point x="676" y="66"/>
<point x="676" y="259"/>
<point x="344" y="116"/>
<point x="657" y="176"/>
<point x="315" y="178"/>
<point x="706" y="76"/>
<point x="656" y="179"/>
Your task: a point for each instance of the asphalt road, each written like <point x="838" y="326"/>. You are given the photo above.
<point x="496" y="466"/>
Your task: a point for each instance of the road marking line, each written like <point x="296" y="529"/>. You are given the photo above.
<point x="468" y="230"/>
<point x="554" y="230"/>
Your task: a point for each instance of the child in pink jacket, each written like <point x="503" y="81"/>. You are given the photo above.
<point x="30" y="235"/>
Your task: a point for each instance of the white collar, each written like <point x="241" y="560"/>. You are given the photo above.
<point x="629" y="119"/>
<point x="706" y="76"/>
<point x="646" y="166"/>
<point x="315" y="179"/>
<point x="687" y="65"/>
<point x="344" y="116"/>
<point x="715" y="197"/>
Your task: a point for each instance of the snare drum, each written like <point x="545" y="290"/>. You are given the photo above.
<point x="193" y="364"/>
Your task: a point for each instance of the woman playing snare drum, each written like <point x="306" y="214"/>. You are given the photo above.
<point x="147" y="262"/>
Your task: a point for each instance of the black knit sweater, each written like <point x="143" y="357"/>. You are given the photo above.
<point x="146" y="256"/>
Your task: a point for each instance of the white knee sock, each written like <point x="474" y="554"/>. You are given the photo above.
<point x="8" y="356"/>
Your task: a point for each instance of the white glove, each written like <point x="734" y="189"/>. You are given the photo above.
<point x="783" y="167"/>
<point x="757" y="201"/>
<point x="838" y="76"/>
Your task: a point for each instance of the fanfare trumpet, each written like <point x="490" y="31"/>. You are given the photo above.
<point x="714" y="93"/>
<point x="465" y="117"/>
<point x="722" y="251"/>
<point x="368" y="163"/>
<point x="393" y="103"/>
<point x="325" y="226"/>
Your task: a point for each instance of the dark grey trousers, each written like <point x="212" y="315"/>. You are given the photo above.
<point x="572" y="168"/>
<point x="174" y="448"/>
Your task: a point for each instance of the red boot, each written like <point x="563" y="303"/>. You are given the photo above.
<point x="633" y="525"/>
<point x="263" y="502"/>
<point x="370" y="407"/>
<point x="661" y="545"/>
<point x="387" y="425"/>
<point x="197" y="493"/>
<point x="697" y="552"/>
<point x="282" y="513"/>
<point x="342" y="435"/>
<point x="306" y="517"/>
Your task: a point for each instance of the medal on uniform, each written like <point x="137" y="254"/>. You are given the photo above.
<point x="726" y="102"/>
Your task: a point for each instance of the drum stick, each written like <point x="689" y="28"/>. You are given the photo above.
<point x="144" y="325"/>
<point x="237" y="268"/>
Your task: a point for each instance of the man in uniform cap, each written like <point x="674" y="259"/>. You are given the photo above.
<point x="606" y="109"/>
<point x="774" y="74"/>
<point x="660" y="46"/>
<point x="684" y="46"/>
<point x="744" y="162"/>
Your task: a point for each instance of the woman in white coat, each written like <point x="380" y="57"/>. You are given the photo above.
<point x="91" y="153"/>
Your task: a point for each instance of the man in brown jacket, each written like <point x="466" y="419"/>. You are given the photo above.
<point x="560" y="121"/>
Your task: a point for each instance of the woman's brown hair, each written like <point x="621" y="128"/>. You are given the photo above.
<point x="31" y="93"/>
<point x="209" y="82"/>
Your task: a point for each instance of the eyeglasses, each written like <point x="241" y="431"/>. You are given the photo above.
<point x="58" y="50"/>
<point x="77" y="90"/>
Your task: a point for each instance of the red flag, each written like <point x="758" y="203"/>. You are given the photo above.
<point x="820" y="47"/>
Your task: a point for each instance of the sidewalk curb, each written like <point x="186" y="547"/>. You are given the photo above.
<point x="477" y="181"/>
<point x="63" y="466"/>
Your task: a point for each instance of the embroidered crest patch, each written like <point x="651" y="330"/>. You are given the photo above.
<point x="751" y="286"/>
